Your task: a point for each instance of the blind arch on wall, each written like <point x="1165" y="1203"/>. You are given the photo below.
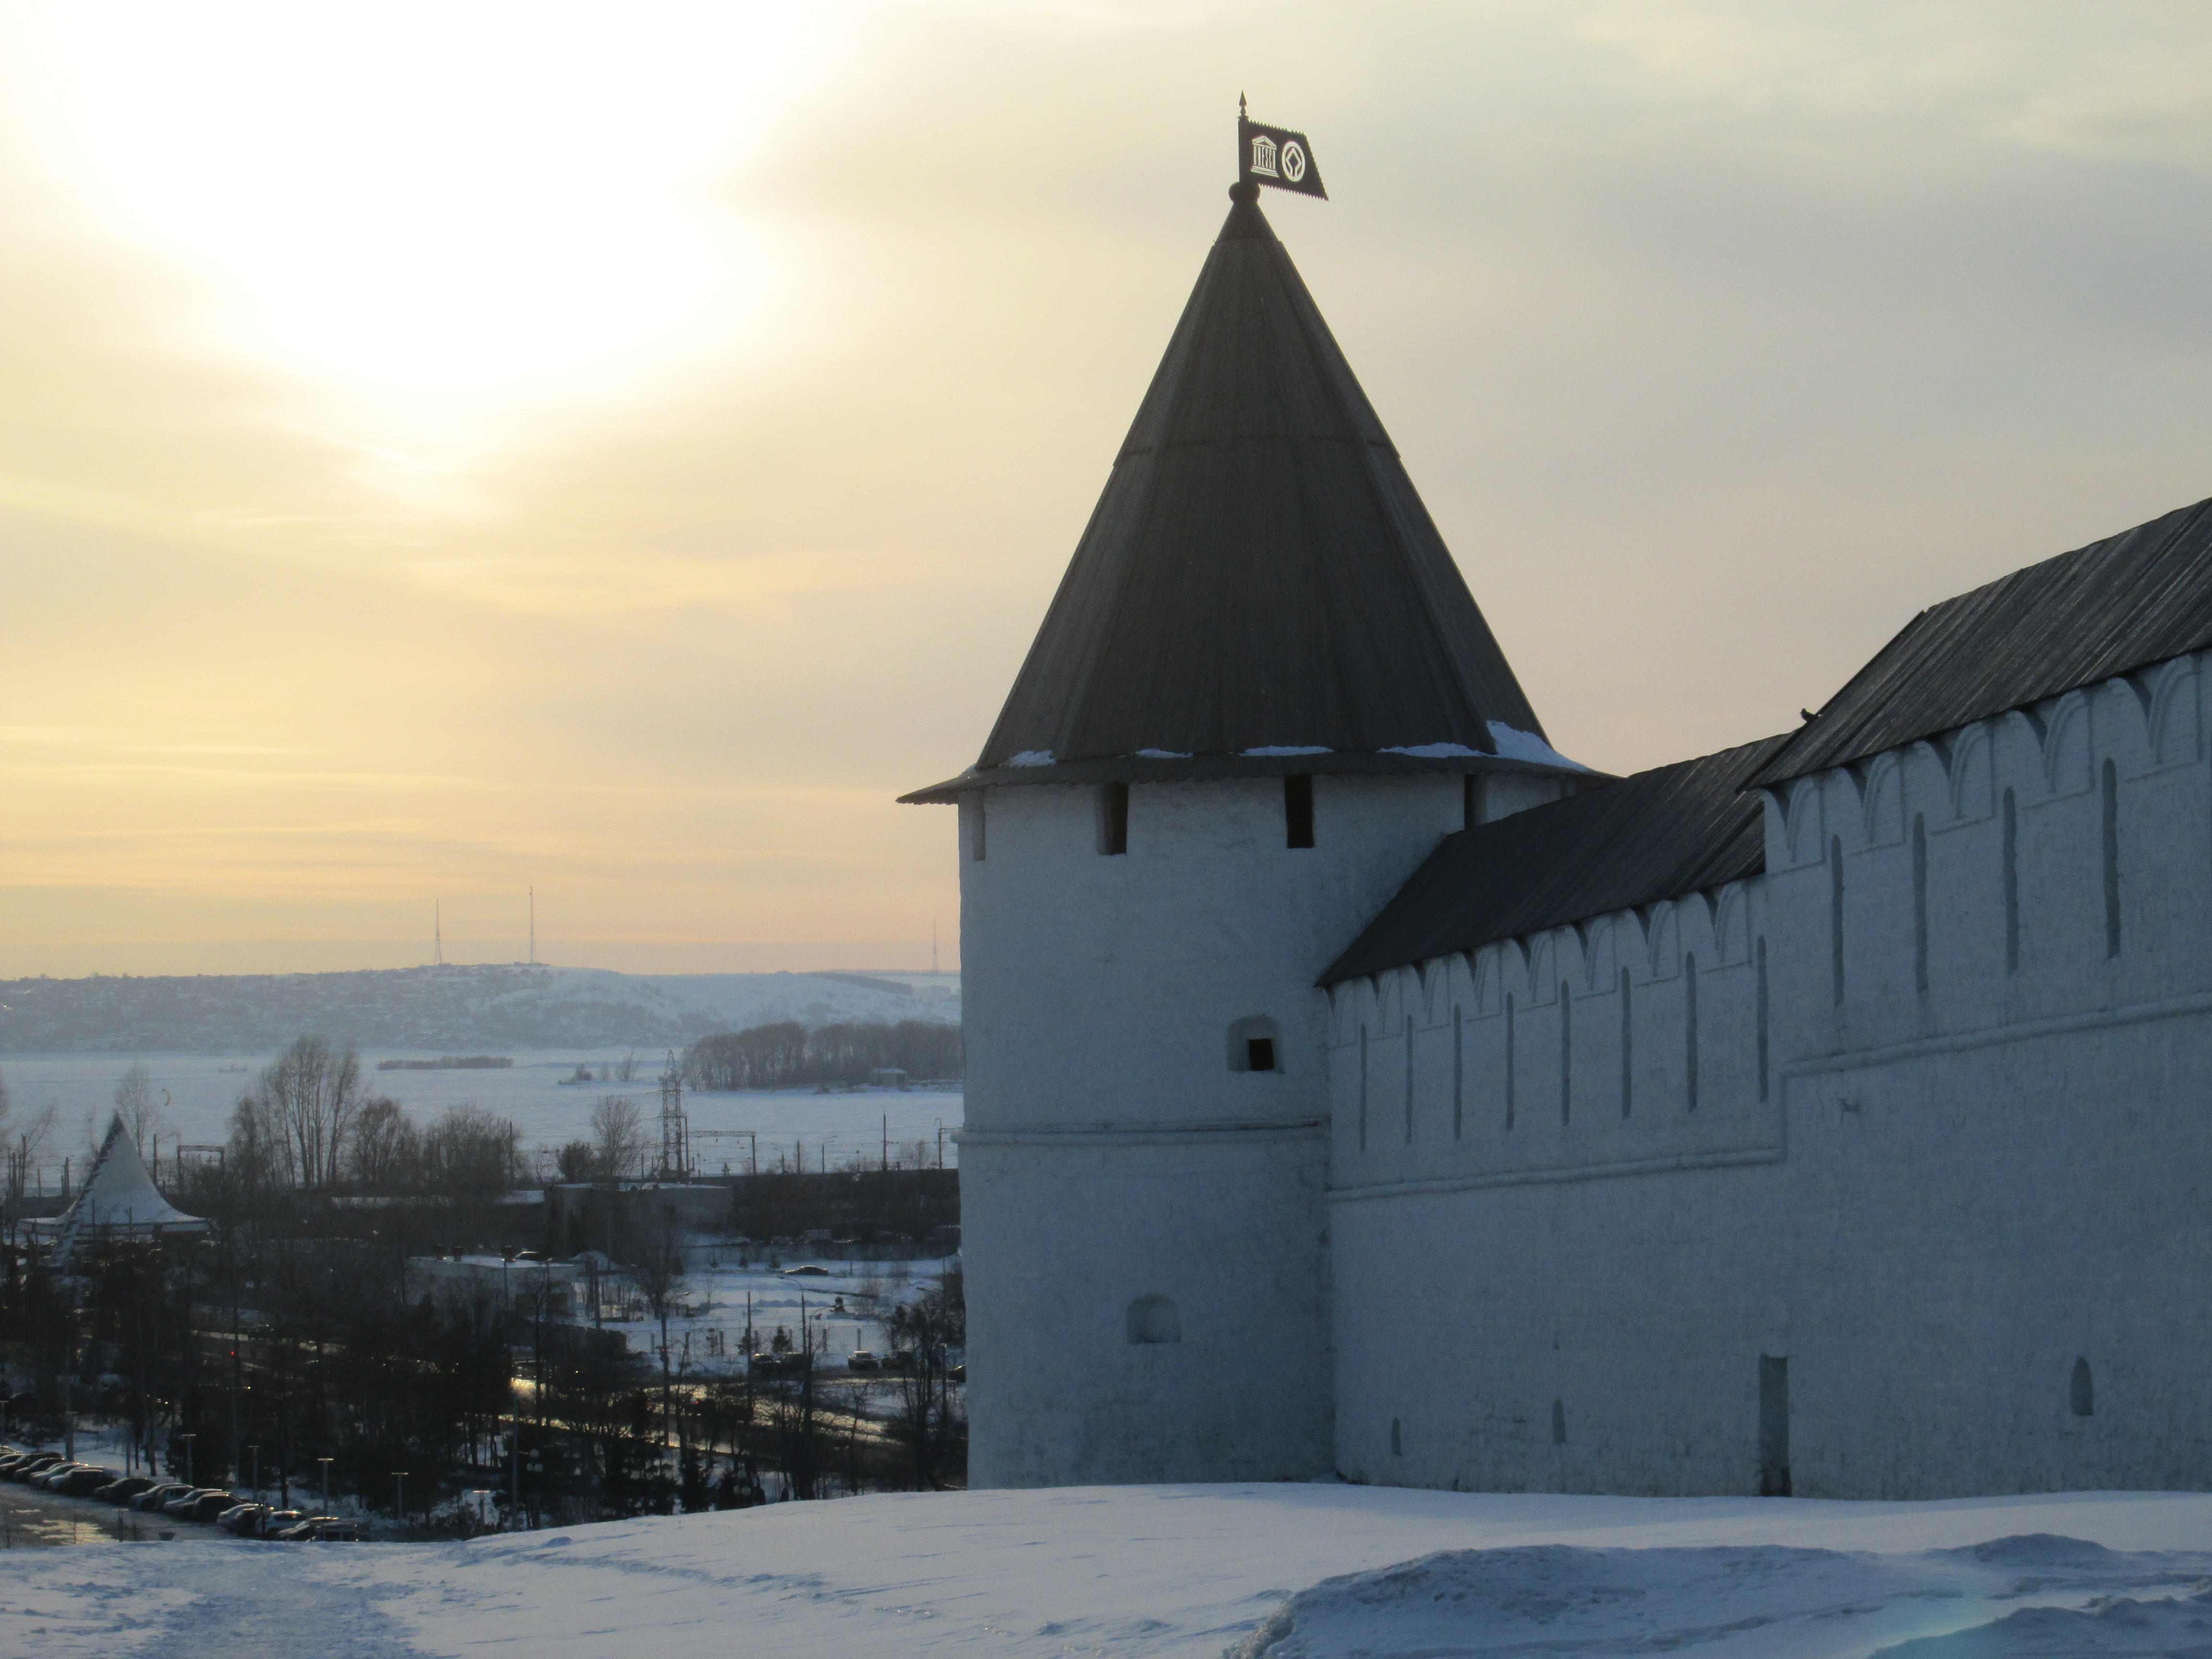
<point x="1154" y="1319"/>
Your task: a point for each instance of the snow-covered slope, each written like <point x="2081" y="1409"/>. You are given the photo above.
<point x="452" y="1009"/>
<point x="1178" y="1570"/>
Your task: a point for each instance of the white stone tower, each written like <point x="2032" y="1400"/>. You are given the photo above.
<point x="1261" y="696"/>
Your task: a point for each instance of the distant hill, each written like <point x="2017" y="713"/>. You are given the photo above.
<point x="460" y="1009"/>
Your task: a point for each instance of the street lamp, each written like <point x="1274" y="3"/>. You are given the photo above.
<point x="326" y="1462"/>
<point x="256" y="1449"/>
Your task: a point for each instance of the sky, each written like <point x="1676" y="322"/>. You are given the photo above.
<point x="449" y="450"/>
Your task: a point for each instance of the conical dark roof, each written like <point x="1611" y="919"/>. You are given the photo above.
<point x="1260" y="574"/>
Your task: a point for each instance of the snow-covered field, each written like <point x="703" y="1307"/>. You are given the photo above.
<point x="202" y="1088"/>
<point x="841" y="1307"/>
<point x="1178" y="1570"/>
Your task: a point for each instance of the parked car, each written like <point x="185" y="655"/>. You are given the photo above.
<point x="899" y="1359"/>
<point x="242" y="1519"/>
<point x="122" y="1490"/>
<point x="156" y="1496"/>
<point x="272" y="1522"/>
<point x="24" y="1467"/>
<point x="325" y="1529"/>
<point x="55" y="1471"/>
<point x="191" y="1498"/>
<point x="861" y="1360"/>
<point x="208" y="1505"/>
<point x="82" y="1482"/>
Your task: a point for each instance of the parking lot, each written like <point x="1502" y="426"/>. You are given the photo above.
<point x="56" y="1502"/>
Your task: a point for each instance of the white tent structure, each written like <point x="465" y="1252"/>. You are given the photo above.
<point x="118" y="1199"/>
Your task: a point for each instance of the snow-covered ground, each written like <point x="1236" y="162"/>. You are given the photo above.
<point x="843" y="1307"/>
<point x="203" y="1088"/>
<point x="1178" y="1570"/>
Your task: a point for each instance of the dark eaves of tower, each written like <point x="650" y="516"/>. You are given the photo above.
<point x="1259" y="589"/>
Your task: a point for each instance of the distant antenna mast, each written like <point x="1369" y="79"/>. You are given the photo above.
<point x="675" y="1155"/>
<point x="438" y="932"/>
<point x="533" y="927"/>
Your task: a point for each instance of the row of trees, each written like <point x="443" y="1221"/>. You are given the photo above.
<point x="306" y="1123"/>
<point x="264" y="1351"/>
<point x="788" y="1055"/>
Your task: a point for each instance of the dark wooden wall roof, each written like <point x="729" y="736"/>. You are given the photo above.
<point x="2132" y="599"/>
<point x="1260" y="572"/>
<point x="1680" y="829"/>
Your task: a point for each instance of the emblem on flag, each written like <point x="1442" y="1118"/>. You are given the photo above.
<point x="1276" y="156"/>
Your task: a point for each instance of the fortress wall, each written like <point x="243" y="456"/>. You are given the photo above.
<point x="1948" y="1196"/>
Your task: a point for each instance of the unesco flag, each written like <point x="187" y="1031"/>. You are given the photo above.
<point x="1277" y="157"/>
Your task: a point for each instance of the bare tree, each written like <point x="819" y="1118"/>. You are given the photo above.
<point x="136" y="1105"/>
<point x="470" y="1152"/>
<point x="21" y="1140"/>
<point x="386" y="1151"/>
<point x="260" y="1153"/>
<point x="656" y="1266"/>
<point x="619" y="1133"/>
<point x="312" y="1091"/>
<point x="924" y="1422"/>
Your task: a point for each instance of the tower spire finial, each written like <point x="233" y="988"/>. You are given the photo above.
<point x="1240" y="105"/>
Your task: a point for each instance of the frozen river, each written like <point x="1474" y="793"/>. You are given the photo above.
<point x="202" y="1089"/>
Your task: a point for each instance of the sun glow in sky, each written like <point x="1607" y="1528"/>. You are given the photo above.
<point x="446" y="214"/>
<point x="450" y="448"/>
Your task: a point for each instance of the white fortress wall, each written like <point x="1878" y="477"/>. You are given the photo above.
<point x="1146" y="1241"/>
<point x="1987" y="1162"/>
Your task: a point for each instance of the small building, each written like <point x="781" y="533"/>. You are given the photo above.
<point x="118" y="1201"/>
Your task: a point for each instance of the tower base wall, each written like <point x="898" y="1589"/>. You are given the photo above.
<point x="1171" y="1322"/>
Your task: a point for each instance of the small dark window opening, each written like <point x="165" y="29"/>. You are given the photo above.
<point x="1558" y="1422"/>
<point x="1459" y="1069"/>
<point x="1763" y="1041"/>
<point x="1566" y="1055"/>
<point x="1363" y="1088"/>
<point x="1112" y="818"/>
<point x="1254" y="1045"/>
<point x="1298" y="809"/>
<point x="1397" y="1439"/>
<point x="1627" y="1046"/>
<point x="2111" y="860"/>
<point x="1409" y="1079"/>
<point x="1920" y="904"/>
<point x="1690" y="1030"/>
<point x="1508" y="1059"/>
<point x="1470" y="800"/>
<point x="2084" y="1389"/>
<point x="1836" y="918"/>
<point x="2011" y="870"/>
